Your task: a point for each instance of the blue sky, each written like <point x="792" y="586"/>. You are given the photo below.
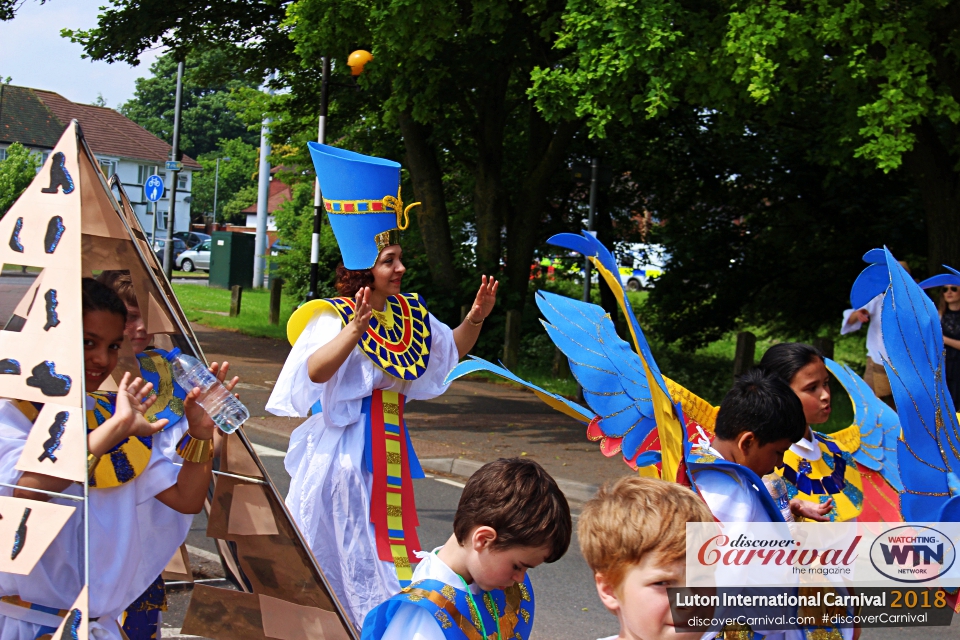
<point x="34" y="55"/>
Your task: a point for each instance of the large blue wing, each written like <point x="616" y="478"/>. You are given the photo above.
<point x="877" y="423"/>
<point x="611" y="373"/>
<point x="929" y="449"/>
<point x="667" y="414"/>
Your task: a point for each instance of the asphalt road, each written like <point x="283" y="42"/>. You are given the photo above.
<point x="567" y="604"/>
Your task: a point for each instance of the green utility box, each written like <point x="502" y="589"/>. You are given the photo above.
<point x="231" y="259"/>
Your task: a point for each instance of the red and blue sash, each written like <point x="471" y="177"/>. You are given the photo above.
<point x="389" y="456"/>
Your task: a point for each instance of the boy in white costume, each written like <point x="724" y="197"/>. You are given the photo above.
<point x="355" y="361"/>
<point x="141" y="504"/>
<point x="512" y="517"/>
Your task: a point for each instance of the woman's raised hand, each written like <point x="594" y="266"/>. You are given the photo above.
<point x="362" y="312"/>
<point x="485" y="300"/>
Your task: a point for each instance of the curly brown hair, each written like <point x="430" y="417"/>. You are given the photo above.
<point x="350" y="281"/>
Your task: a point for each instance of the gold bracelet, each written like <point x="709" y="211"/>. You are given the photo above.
<point x="92" y="461"/>
<point x="195" y="450"/>
<point x="470" y="320"/>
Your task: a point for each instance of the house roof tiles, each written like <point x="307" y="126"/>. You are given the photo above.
<point x="37" y="115"/>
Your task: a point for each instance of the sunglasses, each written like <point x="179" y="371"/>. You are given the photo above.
<point x="951" y="289"/>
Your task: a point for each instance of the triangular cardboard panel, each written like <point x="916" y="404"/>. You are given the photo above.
<point x="28" y="527"/>
<point x="55" y="447"/>
<point x="76" y="623"/>
<point x="42" y="229"/>
<point x="179" y="566"/>
<point x="99" y="209"/>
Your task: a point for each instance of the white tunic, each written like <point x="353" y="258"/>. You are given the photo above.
<point x="132" y="537"/>
<point x="412" y="622"/>
<point x="330" y="489"/>
<point x="876" y="351"/>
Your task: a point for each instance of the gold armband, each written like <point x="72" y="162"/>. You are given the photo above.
<point x="194" y="450"/>
<point x="92" y="462"/>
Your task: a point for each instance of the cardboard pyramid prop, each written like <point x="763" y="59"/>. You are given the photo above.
<point x="69" y="224"/>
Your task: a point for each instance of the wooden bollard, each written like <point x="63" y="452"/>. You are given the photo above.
<point x="825" y="345"/>
<point x="236" y="292"/>
<point x="276" y="288"/>
<point x="745" y="353"/>
<point x="511" y="339"/>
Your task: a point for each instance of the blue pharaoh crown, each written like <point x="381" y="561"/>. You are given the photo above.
<point x="358" y="195"/>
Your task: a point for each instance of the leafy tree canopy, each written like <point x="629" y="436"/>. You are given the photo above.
<point x="886" y="71"/>
<point x="238" y="171"/>
<point x="17" y="171"/>
<point x="209" y="78"/>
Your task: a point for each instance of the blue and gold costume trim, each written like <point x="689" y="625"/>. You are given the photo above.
<point x="834" y="475"/>
<point x="125" y="461"/>
<point x="699" y="460"/>
<point x="398" y="338"/>
<point x="142" y="618"/>
<point x="450" y="607"/>
<point x="155" y="369"/>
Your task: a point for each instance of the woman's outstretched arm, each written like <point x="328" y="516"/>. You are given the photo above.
<point x="327" y="359"/>
<point x="467" y="333"/>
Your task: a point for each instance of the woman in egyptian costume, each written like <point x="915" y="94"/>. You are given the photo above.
<point x="355" y="361"/>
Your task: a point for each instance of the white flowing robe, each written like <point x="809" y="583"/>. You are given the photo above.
<point x="132" y="538"/>
<point x="330" y="489"/>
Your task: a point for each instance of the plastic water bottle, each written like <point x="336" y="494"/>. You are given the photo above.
<point x="223" y="408"/>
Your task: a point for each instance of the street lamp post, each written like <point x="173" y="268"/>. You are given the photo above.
<point x="356" y="62"/>
<point x="168" y="259"/>
<point x="216" y="186"/>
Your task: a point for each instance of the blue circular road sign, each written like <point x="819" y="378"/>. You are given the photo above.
<point x="153" y="188"/>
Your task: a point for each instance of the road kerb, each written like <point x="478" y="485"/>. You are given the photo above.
<point x="573" y="490"/>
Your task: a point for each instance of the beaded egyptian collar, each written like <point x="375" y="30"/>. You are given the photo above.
<point x="398" y="338"/>
<point x="125" y="461"/>
<point x="827" y="485"/>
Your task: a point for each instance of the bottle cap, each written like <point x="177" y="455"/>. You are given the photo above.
<point x="172" y="354"/>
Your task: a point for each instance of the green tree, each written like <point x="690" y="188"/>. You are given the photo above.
<point x="17" y="171"/>
<point x="448" y="84"/>
<point x="235" y="174"/>
<point x="885" y="75"/>
<point x="210" y="76"/>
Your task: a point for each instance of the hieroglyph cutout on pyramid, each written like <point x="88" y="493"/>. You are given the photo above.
<point x="76" y="623"/>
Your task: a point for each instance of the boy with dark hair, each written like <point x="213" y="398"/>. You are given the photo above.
<point x="512" y="517"/>
<point x="759" y="418"/>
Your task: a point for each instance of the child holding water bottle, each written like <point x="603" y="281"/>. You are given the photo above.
<point x="141" y="621"/>
<point x="140" y="502"/>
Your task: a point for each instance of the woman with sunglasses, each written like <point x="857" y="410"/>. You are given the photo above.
<point x="949" y="308"/>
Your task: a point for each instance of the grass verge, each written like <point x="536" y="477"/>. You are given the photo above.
<point x="209" y="306"/>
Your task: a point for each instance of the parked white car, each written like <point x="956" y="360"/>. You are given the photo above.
<point x="196" y="258"/>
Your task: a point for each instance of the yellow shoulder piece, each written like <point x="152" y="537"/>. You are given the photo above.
<point x="695" y="407"/>
<point x="847" y="439"/>
<point x="298" y="321"/>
